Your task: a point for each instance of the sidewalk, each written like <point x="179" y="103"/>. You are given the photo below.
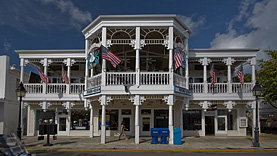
<point x="267" y="141"/>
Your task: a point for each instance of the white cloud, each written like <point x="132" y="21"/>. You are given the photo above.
<point x="77" y="16"/>
<point x="260" y="22"/>
<point x="43" y="14"/>
<point x="193" y="22"/>
<point x="7" y="46"/>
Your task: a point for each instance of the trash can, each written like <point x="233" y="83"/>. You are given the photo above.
<point x="164" y="133"/>
<point x="155" y="133"/>
<point x="177" y="136"/>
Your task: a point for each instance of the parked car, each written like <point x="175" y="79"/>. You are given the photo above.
<point x="10" y="145"/>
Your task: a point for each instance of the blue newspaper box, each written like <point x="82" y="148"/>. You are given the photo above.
<point x="155" y="133"/>
<point x="177" y="136"/>
<point x="164" y="133"/>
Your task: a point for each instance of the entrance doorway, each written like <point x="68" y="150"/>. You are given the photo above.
<point x="209" y="125"/>
<point x="62" y="125"/>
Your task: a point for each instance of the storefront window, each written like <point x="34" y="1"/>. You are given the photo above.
<point x="126" y="112"/>
<point x="146" y="112"/>
<point x="192" y="119"/>
<point x="161" y="118"/>
<point x="44" y="117"/>
<point x="80" y="119"/>
<point x="111" y="119"/>
<point x="231" y="118"/>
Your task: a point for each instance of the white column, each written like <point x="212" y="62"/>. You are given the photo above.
<point x="204" y="63"/>
<point x="22" y="65"/>
<point x="170" y="61"/>
<point x="170" y="118"/>
<point x="187" y="63"/>
<point x="86" y="66"/>
<point x="253" y="64"/>
<point x="205" y="77"/>
<point x="45" y="65"/>
<point x="103" y="125"/>
<point x="68" y="75"/>
<point x="104" y="43"/>
<point x="137" y="102"/>
<point x="137" y="47"/>
<point x="229" y="61"/>
<point x="91" y="121"/>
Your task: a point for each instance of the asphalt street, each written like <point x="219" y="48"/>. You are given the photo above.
<point x="149" y="153"/>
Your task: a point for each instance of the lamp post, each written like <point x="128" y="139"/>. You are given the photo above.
<point x="257" y="91"/>
<point x="20" y="92"/>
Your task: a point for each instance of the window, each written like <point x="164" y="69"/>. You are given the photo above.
<point x="42" y="117"/>
<point x="231" y="118"/>
<point x="111" y="119"/>
<point x="126" y="112"/>
<point x="80" y="119"/>
<point x="146" y="112"/>
<point x="161" y="118"/>
<point x="192" y="119"/>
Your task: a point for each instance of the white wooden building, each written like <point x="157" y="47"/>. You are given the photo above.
<point x="144" y="90"/>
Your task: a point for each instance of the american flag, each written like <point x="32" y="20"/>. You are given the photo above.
<point x="177" y="58"/>
<point x="110" y="56"/>
<point x="212" y="72"/>
<point x="64" y="76"/>
<point x="241" y="75"/>
<point x="43" y="77"/>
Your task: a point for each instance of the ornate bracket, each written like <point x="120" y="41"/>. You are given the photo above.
<point x="104" y="100"/>
<point x="109" y="43"/>
<point x="44" y="105"/>
<point x="229" y="61"/>
<point x="205" y="105"/>
<point x="137" y="100"/>
<point x="142" y="43"/>
<point x="133" y="43"/>
<point x="49" y="61"/>
<point x="205" y="61"/>
<point x="167" y="99"/>
<point x="68" y="105"/>
<point x="166" y="43"/>
<point x="229" y="105"/>
<point x="69" y="62"/>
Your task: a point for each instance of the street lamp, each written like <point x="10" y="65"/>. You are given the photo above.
<point x="257" y="91"/>
<point x="20" y="92"/>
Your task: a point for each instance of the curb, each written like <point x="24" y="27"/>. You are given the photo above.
<point x="157" y="150"/>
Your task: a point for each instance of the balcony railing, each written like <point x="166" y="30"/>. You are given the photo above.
<point x="154" y="78"/>
<point x="218" y="88"/>
<point x="221" y="88"/>
<point x="77" y="88"/>
<point x="196" y="87"/>
<point x="56" y="88"/>
<point x="116" y="78"/>
<point x="246" y="88"/>
<point x="34" y="88"/>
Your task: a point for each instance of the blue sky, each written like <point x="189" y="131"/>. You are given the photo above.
<point x="57" y="24"/>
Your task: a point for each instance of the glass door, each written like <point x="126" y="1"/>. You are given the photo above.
<point x="222" y="125"/>
<point x="62" y="126"/>
<point x="127" y="121"/>
<point x="146" y="125"/>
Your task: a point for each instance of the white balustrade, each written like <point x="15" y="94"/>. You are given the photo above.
<point x="245" y="88"/>
<point x="118" y="78"/>
<point x="218" y="88"/>
<point x="56" y="88"/>
<point x="94" y="81"/>
<point x="179" y="81"/>
<point x="77" y="88"/>
<point x="154" y="78"/>
<point x="196" y="87"/>
<point x="33" y="88"/>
